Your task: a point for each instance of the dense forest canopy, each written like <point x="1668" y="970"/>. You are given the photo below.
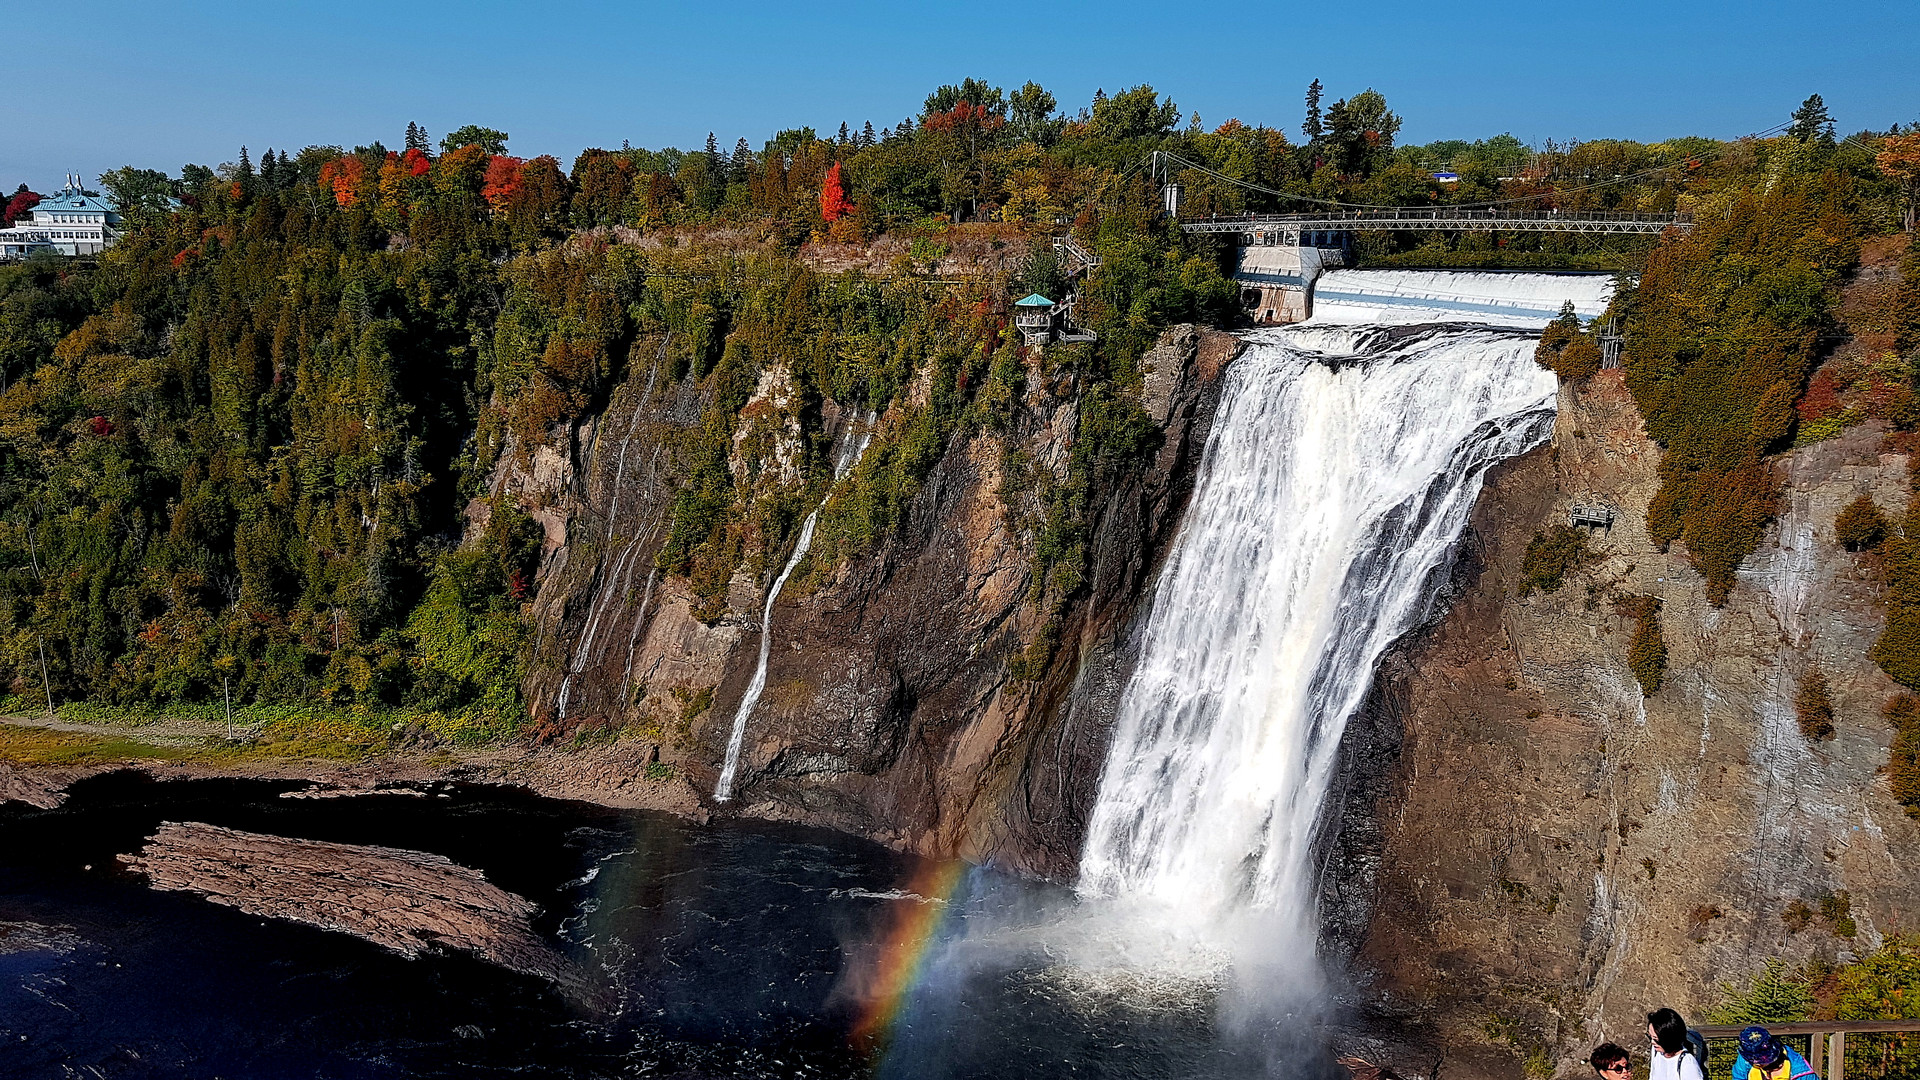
<point x="238" y="451"/>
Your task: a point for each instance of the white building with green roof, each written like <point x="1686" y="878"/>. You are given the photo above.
<point x="71" y="221"/>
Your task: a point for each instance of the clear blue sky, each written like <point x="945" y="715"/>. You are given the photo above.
<point x="96" y="85"/>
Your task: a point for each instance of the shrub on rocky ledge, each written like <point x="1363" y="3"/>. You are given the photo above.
<point x="1647" y="655"/>
<point x="1814" y="707"/>
<point x="1903" y="761"/>
<point x="1550" y="556"/>
<point x="1861" y="526"/>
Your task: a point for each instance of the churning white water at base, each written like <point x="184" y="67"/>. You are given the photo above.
<point x="850" y="452"/>
<point x="1509" y="298"/>
<point x="1339" y="475"/>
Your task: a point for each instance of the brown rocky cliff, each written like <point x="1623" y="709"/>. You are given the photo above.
<point x="1534" y="848"/>
<point x="889" y="708"/>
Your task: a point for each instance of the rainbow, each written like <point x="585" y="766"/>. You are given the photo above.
<point x="898" y="959"/>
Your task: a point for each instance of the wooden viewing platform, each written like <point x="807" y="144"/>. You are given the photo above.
<point x="1828" y="1038"/>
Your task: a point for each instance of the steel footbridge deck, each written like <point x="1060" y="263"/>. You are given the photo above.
<point x="1442" y="219"/>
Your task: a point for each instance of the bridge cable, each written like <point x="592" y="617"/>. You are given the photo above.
<point x="1774" y="130"/>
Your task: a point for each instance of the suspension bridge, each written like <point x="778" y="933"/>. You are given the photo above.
<point x="1437" y="219"/>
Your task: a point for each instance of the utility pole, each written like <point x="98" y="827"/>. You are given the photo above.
<point x="46" y="684"/>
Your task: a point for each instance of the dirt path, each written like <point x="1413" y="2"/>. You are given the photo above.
<point x="169" y="731"/>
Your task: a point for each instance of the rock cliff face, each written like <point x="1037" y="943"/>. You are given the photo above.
<point x="1534" y="848"/>
<point x="1526" y="844"/>
<point x="889" y="709"/>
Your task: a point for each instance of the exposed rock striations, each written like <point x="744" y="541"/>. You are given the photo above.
<point x="889" y="707"/>
<point x="1554" y="853"/>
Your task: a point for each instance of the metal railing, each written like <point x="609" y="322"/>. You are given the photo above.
<point x="1073" y="252"/>
<point x="1437" y="219"/>
<point x="1828" y="1045"/>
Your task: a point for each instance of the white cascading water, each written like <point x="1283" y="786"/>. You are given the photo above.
<point x="1399" y="297"/>
<point x="620" y="581"/>
<point x="1340" y="472"/>
<point x="850" y="452"/>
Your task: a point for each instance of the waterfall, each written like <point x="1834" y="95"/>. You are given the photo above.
<point x="1340" y="472"/>
<point x="849" y="456"/>
<point x="628" y="558"/>
<point x="1482" y="296"/>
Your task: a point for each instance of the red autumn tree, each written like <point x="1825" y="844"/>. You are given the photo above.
<point x="418" y="163"/>
<point x="22" y="201"/>
<point x="502" y="183"/>
<point x="833" y="197"/>
<point x="343" y="176"/>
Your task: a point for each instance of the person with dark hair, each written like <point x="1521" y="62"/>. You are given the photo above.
<point x="1763" y="1057"/>
<point x="1611" y="1061"/>
<point x="1671" y="1057"/>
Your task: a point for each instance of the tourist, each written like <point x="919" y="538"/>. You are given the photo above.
<point x="1762" y="1057"/>
<point x="1670" y="1058"/>
<point x="1611" y="1061"/>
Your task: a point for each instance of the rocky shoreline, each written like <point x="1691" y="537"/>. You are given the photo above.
<point x="613" y="775"/>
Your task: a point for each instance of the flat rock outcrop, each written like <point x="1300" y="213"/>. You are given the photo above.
<point x="44" y="788"/>
<point x="411" y="902"/>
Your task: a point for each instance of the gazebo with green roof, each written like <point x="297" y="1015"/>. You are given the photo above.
<point x="1034" y="315"/>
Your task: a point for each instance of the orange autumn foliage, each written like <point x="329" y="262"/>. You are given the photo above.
<point x="964" y="116"/>
<point x="1899" y="160"/>
<point x="343" y="176"/>
<point x="502" y="183"/>
<point x="833" y="197"/>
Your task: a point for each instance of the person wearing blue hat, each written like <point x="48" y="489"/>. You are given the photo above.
<point x="1764" y="1057"/>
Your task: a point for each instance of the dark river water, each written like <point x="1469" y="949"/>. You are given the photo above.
<point x="725" y="950"/>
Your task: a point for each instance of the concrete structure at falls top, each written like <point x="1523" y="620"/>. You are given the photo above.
<point x="1339" y="475"/>
<point x="1291" y="276"/>
<point x="1277" y="270"/>
<point x="1282" y="256"/>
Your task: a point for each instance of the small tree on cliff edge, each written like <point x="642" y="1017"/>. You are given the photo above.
<point x="1647" y="655"/>
<point x="1813" y="706"/>
<point x="1861" y="526"/>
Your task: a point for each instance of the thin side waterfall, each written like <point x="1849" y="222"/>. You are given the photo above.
<point x="628" y="557"/>
<point x="1338" y="478"/>
<point x="849" y="456"/>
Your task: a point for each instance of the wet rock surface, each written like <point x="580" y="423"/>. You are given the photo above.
<point x="889" y="709"/>
<point x="411" y="902"/>
<point x="44" y="788"/>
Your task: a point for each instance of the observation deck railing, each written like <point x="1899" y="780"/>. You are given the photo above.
<point x="1828" y="1047"/>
